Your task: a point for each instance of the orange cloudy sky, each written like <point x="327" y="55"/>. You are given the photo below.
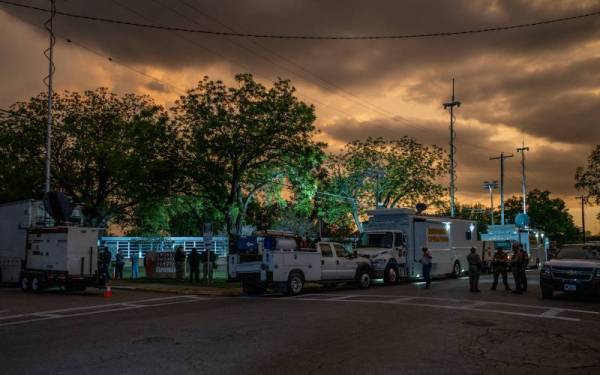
<point x="540" y="83"/>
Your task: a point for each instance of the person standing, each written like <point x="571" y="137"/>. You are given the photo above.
<point x="524" y="264"/>
<point x="474" y="266"/>
<point x="135" y="270"/>
<point x="106" y="259"/>
<point x="120" y="263"/>
<point x="179" y="263"/>
<point x="194" y="261"/>
<point x="208" y="266"/>
<point x="515" y="265"/>
<point x="426" y="261"/>
<point x="500" y="265"/>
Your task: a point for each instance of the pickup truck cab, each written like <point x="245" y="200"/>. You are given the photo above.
<point x="284" y="267"/>
<point x="575" y="269"/>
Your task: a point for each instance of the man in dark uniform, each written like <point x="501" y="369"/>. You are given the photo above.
<point x="194" y="261"/>
<point x="500" y="264"/>
<point x="474" y="266"/>
<point x="524" y="264"/>
<point x="179" y="263"/>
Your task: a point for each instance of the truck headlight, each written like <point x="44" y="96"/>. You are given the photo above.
<point x="547" y="271"/>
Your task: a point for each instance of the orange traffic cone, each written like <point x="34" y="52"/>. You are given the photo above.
<point x="107" y="291"/>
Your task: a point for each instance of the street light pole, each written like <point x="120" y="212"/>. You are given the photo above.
<point x="490" y="186"/>
<point x="583" y="197"/>
<point x="523" y="181"/>
<point x="451" y="104"/>
<point x="501" y="158"/>
<point x="49" y="53"/>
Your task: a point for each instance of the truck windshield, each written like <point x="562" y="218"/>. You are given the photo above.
<point x="385" y="240"/>
<point x="503" y="245"/>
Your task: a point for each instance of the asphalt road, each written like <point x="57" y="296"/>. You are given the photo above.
<point x="401" y="329"/>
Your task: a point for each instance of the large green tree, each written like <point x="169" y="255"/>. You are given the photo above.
<point x="546" y="213"/>
<point x="110" y="153"/>
<point x="243" y="140"/>
<point x="384" y="173"/>
<point x="587" y="178"/>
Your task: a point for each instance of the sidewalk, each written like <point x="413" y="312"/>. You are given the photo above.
<point x="220" y="288"/>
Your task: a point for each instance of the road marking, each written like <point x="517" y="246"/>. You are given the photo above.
<point x="476" y="306"/>
<point x="3" y="311"/>
<point x="99" y="309"/>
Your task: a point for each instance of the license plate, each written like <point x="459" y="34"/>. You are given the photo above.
<point x="570" y="287"/>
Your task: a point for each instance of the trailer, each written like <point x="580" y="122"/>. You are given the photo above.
<point x="393" y="240"/>
<point x="534" y="241"/>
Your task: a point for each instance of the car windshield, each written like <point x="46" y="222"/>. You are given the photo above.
<point x="579" y="253"/>
<point x="385" y="240"/>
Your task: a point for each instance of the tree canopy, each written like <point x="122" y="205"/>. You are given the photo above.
<point x="242" y="140"/>
<point x="587" y="178"/>
<point x="109" y="152"/>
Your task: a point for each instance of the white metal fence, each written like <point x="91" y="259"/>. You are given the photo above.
<point x="143" y="245"/>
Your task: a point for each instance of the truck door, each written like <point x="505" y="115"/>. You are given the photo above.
<point x="328" y="266"/>
<point x="400" y="248"/>
<point x="346" y="267"/>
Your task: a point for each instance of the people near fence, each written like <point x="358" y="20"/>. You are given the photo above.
<point x="475" y="264"/>
<point x="209" y="263"/>
<point x="500" y="267"/>
<point x="426" y="261"/>
<point x="194" y="263"/>
<point x="304" y="241"/>
<point x="105" y="260"/>
<point x="515" y="265"/>
<point x="120" y="264"/>
<point x="150" y="265"/>
<point x="135" y="270"/>
<point x="179" y="263"/>
<point x="524" y="264"/>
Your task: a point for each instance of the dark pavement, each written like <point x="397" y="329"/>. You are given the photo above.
<point x="401" y="329"/>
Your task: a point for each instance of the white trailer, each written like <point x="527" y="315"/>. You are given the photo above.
<point x="285" y="268"/>
<point x="534" y="241"/>
<point x="61" y="257"/>
<point x="393" y="240"/>
<point x="15" y="219"/>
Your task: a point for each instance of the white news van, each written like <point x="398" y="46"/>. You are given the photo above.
<point x="280" y="264"/>
<point x="393" y="240"/>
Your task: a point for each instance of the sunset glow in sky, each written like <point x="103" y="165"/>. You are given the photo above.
<point x="540" y="85"/>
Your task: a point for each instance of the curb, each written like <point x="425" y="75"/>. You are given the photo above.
<point x="225" y="293"/>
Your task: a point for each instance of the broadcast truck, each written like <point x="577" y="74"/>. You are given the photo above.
<point x="276" y="260"/>
<point x="534" y="241"/>
<point x="393" y="239"/>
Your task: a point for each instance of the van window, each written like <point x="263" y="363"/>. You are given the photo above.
<point x="326" y="250"/>
<point x="399" y="240"/>
<point x="468" y="235"/>
<point x="340" y="251"/>
<point x="385" y="240"/>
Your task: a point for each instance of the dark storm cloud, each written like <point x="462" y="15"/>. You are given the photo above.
<point x="350" y="62"/>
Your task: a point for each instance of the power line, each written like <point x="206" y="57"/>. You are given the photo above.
<point x="308" y="37"/>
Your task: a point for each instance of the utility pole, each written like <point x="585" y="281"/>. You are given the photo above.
<point x="583" y="198"/>
<point x="501" y="158"/>
<point x="523" y="181"/>
<point x="451" y="104"/>
<point x="49" y="53"/>
<point x="490" y="186"/>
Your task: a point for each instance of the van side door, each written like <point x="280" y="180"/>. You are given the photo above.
<point x="328" y="262"/>
<point x="346" y="266"/>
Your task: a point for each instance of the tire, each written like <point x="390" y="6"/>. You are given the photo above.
<point x="456" y="270"/>
<point x="391" y="275"/>
<point x="295" y="284"/>
<point x="25" y="285"/>
<point x="35" y="285"/>
<point x="363" y="278"/>
<point x="547" y="293"/>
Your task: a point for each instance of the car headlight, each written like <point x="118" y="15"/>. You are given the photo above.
<point x="597" y="275"/>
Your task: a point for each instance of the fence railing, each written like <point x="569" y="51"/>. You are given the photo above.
<point x="143" y="245"/>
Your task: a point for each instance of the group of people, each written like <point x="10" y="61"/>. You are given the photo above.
<point x="208" y="259"/>
<point x="501" y="264"/>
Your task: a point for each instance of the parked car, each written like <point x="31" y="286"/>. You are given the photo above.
<point x="574" y="269"/>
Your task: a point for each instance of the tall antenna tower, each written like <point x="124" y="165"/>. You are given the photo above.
<point x="501" y="158"/>
<point x="49" y="53"/>
<point x="451" y="104"/>
<point x="523" y="179"/>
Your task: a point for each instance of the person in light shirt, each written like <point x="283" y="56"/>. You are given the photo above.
<point x="426" y="262"/>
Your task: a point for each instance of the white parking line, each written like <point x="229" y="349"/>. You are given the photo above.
<point x="430" y="302"/>
<point x="3" y="311"/>
<point x="99" y="309"/>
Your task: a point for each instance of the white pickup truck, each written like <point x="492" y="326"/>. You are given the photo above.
<point x="286" y="268"/>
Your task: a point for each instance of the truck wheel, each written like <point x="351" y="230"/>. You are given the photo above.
<point x="295" y="284"/>
<point x="391" y="275"/>
<point x="36" y="285"/>
<point x="363" y="279"/>
<point x="25" y="284"/>
<point x="456" y="270"/>
<point x="547" y="293"/>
